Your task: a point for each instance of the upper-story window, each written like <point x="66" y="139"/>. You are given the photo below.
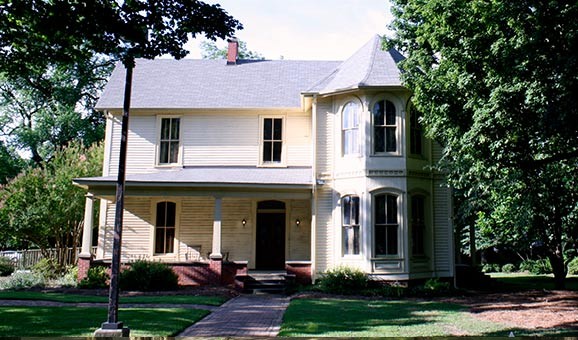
<point x="386" y="226"/>
<point x="417" y="225"/>
<point x="272" y="146"/>
<point x="384" y="127"/>
<point x="350" y="128"/>
<point x="350" y="223"/>
<point x="165" y="227"/>
<point x="169" y="140"/>
<point x="415" y="134"/>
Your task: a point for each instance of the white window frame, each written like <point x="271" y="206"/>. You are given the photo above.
<point x="158" y="142"/>
<point x="176" y="250"/>
<point x="283" y="140"/>
<point x="400" y="248"/>
<point x="357" y="141"/>
<point x="397" y="126"/>
<point x="343" y="225"/>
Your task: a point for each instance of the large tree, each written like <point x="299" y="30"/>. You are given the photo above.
<point x="48" y="106"/>
<point x="497" y="82"/>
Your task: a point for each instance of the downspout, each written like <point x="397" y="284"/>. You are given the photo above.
<point x="314" y="189"/>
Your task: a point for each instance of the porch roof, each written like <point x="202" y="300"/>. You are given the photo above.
<point x="281" y="178"/>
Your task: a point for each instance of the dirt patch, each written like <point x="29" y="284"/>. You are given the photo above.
<point x="527" y="310"/>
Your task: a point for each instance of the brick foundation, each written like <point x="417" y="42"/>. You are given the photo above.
<point x="301" y="270"/>
<point x="84" y="263"/>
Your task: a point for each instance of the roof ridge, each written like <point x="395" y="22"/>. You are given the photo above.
<point x="377" y="40"/>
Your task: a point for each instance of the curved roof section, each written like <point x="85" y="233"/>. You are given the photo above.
<point x="192" y="83"/>
<point x="369" y="66"/>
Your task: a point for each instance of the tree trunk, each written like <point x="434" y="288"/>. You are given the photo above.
<point x="559" y="269"/>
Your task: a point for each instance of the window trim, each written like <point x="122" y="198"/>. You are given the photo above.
<point x="359" y="112"/>
<point x="159" y="120"/>
<point x="176" y="250"/>
<point x="400" y="223"/>
<point x="342" y="227"/>
<point x="398" y="127"/>
<point x="283" y="162"/>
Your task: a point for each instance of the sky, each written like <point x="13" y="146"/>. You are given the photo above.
<point x="304" y="29"/>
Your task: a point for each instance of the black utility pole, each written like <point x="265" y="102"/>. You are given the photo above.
<point x="112" y="321"/>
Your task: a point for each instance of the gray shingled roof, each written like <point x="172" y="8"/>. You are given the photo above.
<point x="369" y="66"/>
<point x="189" y="83"/>
<point x="207" y="176"/>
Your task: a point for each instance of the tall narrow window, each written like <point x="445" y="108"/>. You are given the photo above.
<point x="350" y="127"/>
<point x="417" y="225"/>
<point x="350" y="218"/>
<point x="415" y="134"/>
<point x="386" y="226"/>
<point x="169" y="141"/>
<point x="272" y="140"/>
<point x="165" y="227"/>
<point x="384" y="127"/>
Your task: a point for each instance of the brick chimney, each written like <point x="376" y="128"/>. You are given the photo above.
<point x="232" y="51"/>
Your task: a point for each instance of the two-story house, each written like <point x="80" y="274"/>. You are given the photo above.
<point x="238" y="166"/>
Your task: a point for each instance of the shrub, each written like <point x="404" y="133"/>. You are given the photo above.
<point x="47" y="268"/>
<point x="573" y="266"/>
<point x="536" y="267"/>
<point x="23" y="280"/>
<point x="508" y="268"/>
<point x="97" y="277"/>
<point x="147" y="276"/>
<point x="69" y="279"/>
<point x="435" y="286"/>
<point x="491" y="268"/>
<point x="344" y="280"/>
<point x="6" y="266"/>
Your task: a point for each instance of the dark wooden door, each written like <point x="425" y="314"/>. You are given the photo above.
<point x="270" y="247"/>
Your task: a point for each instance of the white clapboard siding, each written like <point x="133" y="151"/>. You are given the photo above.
<point x="298" y="140"/>
<point x="325" y="121"/>
<point x="324" y="235"/>
<point x="196" y="225"/>
<point x="436" y="151"/>
<point x="215" y="139"/>
<point x="442" y="228"/>
<point x="237" y="240"/>
<point x="140" y="145"/>
<point x="136" y="231"/>
<point x="299" y="235"/>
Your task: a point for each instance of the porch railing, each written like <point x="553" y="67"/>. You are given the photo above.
<point x="26" y="259"/>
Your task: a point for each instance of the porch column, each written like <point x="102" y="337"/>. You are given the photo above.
<point x="216" y="251"/>
<point x="85" y="256"/>
<point x="216" y="258"/>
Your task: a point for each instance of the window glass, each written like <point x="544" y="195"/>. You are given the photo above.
<point x="350" y="127"/>
<point x="418" y="225"/>
<point x="169" y="141"/>
<point x="350" y="224"/>
<point x="272" y="140"/>
<point x="415" y="134"/>
<point x="386" y="226"/>
<point x="165" y="227"/>
<point x="384" y="127"/>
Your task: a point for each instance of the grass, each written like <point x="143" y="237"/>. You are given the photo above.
<point x="364" y="318"/>
<point x="527" y="281"/>
<point x="76" y="298"/>
<point x="82" y="322"/>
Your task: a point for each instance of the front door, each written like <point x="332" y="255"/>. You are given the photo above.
<point x="270" y="247"/>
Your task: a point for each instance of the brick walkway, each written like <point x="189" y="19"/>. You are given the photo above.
<point x="243" y="316"/>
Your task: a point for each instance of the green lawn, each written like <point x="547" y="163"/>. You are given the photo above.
<point x="72" y="298"/>
<point x="364" y="318"/>
<point x="82" y="322"/>
<point x="526" y="281"/>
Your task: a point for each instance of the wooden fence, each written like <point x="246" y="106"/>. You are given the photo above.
<point x="25" y="259"/>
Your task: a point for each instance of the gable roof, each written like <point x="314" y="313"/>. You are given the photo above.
<point x="190" y="83"/>
<point x="212" y="84"/>
<point x="369" y="66"/>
